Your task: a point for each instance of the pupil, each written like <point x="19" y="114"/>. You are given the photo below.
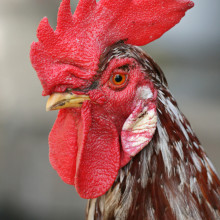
<point x="118" y="78"/>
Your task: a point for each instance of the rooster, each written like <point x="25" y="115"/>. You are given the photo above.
<point x="120" y="137"/>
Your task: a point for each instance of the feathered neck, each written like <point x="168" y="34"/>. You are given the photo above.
<point x="171" y="178"/>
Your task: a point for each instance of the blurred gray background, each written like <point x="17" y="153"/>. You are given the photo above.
<point x="29" y="187"/>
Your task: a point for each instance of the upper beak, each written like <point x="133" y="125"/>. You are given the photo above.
<point x="65" y="100"/>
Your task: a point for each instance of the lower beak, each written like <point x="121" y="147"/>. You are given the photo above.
<point x="65" y="100"/>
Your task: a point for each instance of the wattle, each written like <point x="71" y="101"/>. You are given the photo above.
<point x="85" y="150"/>
<point x="63" y="144"/>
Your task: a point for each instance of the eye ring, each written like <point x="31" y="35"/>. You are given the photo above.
<point x="118" y="80"/>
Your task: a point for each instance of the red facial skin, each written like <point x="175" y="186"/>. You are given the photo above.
<point x="84" y="143"/>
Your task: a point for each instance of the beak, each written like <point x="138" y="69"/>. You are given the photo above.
<point x="65" y="100"/>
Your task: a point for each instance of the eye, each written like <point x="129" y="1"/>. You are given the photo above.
<point x="118" y="79"/>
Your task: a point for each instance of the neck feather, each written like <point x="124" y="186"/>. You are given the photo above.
<point x="171" y="178"/>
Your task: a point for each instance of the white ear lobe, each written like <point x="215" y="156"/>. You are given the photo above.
<point x="139" y="127"/>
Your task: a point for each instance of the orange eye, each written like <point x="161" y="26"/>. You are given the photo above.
<point x="118" y="79"/>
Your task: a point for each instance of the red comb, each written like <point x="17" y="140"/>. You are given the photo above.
<point x="80" y="39"/>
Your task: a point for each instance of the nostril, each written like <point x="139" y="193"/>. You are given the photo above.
<point x="69" y="90"/>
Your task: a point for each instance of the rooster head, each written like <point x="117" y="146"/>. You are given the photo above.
<point x="107" y="102"/>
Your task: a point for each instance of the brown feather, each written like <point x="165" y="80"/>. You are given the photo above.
<point x="171" y="178"/>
